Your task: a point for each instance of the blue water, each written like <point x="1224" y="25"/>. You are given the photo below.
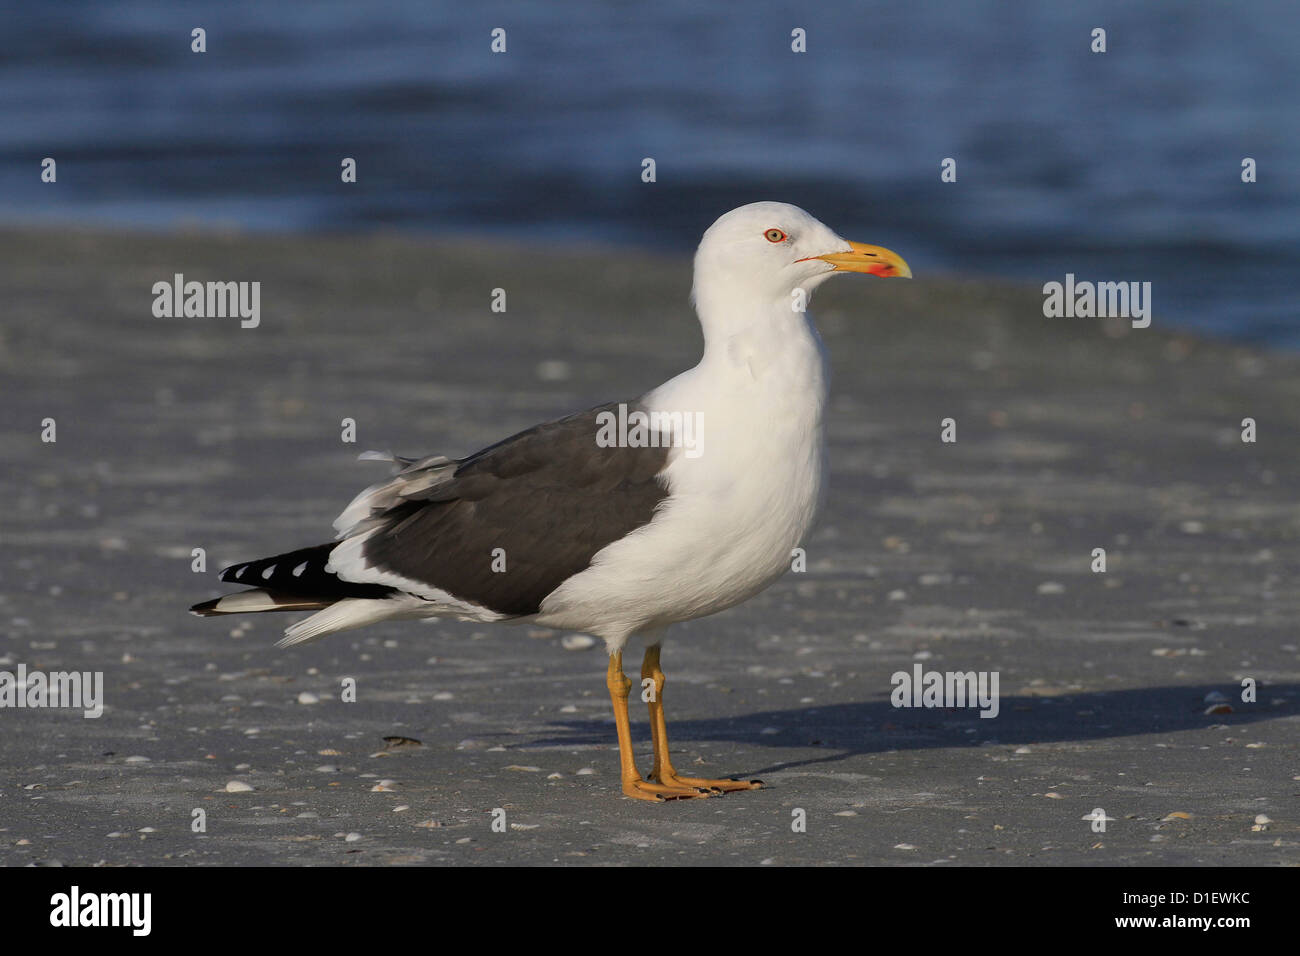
<point x="1115" y="166"/>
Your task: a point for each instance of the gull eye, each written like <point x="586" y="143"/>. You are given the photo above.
<point x="775" y="235"/>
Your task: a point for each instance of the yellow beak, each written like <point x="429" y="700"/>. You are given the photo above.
<point x="873" y="260"/>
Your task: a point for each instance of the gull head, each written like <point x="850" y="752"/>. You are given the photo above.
<point x="767" y="250"/>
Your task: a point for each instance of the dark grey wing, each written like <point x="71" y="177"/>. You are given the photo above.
<point x="549" y="498"/>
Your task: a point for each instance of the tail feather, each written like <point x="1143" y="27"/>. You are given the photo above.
<point x="342" y="616"/>
<point x="301" y="572"/>
<point x="298" y="581"/>
<point x="256" y="601"/>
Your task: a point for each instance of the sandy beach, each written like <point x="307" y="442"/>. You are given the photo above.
<point x="1072" y="435"/>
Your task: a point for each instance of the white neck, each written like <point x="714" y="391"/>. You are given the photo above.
<point x="751" y="335"/>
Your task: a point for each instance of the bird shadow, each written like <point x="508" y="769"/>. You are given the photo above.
<point x="847" y="730"/>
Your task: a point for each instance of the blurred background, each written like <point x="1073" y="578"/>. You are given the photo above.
<point x="1117" y="166"/>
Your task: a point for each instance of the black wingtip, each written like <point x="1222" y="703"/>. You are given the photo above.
<point x="206" y="609"/>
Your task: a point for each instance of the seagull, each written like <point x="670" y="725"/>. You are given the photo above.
<point x="621" y="520"/>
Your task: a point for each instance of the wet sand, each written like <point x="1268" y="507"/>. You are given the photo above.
<point x="1073" y="434"/>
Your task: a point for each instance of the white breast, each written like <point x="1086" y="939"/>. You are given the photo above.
<point x="736" y="511"/>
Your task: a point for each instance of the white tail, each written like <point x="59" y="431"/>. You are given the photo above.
<point x="345" y="615"/>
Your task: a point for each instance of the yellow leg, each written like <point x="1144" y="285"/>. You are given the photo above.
<point x="663" y="771"/>
<point x="633" y="784"/>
